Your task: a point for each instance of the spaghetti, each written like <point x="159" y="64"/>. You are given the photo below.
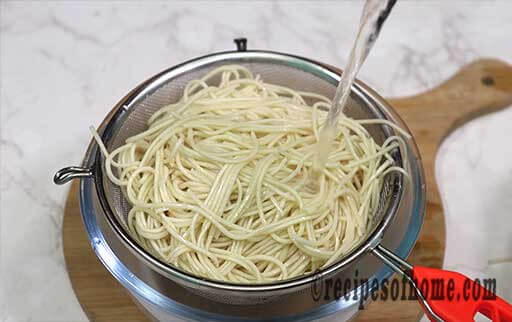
<point x="218" y="182"/>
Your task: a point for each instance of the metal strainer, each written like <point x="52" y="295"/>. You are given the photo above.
<point x="130" y="116"/>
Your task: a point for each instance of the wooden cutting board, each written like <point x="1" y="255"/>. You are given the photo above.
<point x="478" y="88"/>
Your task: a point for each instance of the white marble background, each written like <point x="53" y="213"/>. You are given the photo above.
<point x="64" y="65"/>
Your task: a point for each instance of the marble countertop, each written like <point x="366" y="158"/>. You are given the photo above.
<point x="64" y="65"/>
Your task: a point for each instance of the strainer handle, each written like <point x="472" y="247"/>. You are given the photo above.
<point x="67" y="174"/>
<point x="403" y="268"/>
<point x="443" y="293"/>
<point x="456" y="297"/>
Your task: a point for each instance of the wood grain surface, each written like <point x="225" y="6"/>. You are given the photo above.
<point x="480" y="87"/>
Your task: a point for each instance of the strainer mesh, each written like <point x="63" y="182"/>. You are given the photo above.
<point x="295" y="76"/>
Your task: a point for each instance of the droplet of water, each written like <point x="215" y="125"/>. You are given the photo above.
<point x="95" y="242"/>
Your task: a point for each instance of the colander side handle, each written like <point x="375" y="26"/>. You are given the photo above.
<point x="67" y="174"/>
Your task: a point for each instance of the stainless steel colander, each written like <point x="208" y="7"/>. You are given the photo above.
<point x="110" y="208"/>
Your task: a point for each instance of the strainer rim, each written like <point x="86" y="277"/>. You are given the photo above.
<point x="314" y="67"/>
